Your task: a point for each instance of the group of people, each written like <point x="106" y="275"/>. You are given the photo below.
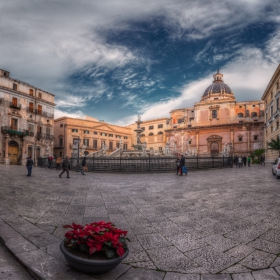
<point x="239" y="161"/>
<point x="65" y="165"/>
<point x="181" y="166"/>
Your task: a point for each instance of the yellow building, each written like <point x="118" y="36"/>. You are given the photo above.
<point x="94" y="135"/>
<point x="272" y="111"/>
<point x="153" y="134"/>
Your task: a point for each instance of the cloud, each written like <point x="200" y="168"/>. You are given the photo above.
<point x="59" y="113"/>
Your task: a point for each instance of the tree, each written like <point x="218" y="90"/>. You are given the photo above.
<point x="274" y="145"/>
<point x="257" y="153"/>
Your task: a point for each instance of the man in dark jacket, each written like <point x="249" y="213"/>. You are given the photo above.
<point x="29" y="164"/>
<point x="84" y="163"/>
<point x="65" y="166"/>
<point x="182" y="163"/>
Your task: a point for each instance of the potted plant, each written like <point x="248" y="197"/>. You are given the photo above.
<point x="94" y="248"/>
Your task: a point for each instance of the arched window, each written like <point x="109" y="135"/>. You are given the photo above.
<point x="142" y="135"/>
<point x="160" y="133"/>
<point x="151" y="134"/>
<point x="254" y="114"/>
<point x="240" y="115"/>
<point x="214" y="148"/>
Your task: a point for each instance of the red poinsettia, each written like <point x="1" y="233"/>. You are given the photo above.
<point x="96" y="237"/>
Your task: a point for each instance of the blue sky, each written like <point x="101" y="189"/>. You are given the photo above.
<point x="114" y="59"/>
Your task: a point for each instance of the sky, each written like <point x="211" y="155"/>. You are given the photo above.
<point x="115" y="59"/>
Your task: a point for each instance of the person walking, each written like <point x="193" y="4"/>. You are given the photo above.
<point x="29" y="165"/>
<point x="249" y="161"/>
<point x="244" y="160"/>
<point x="262" y="160"/>
<point x="58" y="162"/>
<point x="65" y="166"/>
<point x="177" y="161"/>
<point x="240" y="161"/>
<point x="50" y="159"/>
<point x="182" y="163"/>
<point x="84" y="165"/>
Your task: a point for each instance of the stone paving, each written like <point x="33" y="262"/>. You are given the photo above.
<point x="211" y="224"/>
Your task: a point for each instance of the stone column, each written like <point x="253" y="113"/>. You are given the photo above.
<point x="7" y="149"/>
<point x="232" y="138"/>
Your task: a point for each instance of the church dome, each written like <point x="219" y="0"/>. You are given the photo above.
<point x="217" y="87"/>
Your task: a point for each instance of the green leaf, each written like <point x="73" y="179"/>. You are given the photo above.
<point x="73" y="241"/>
<point x="109" y="243"/>
<point x="109" y="253"/>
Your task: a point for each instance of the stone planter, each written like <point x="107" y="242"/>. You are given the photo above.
<point x="91" y="266"/>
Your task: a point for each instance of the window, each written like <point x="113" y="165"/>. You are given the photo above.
<point x="117" y="145"/>
<point x="111" y="146"/>
<point x="240" y="106"/>
<point x="61" y="125"/>
<point x="60" y="142"/>
<point x="256" y="137"/>
<point x="14" y="101"/>
<point x="118" y="136"/>
<point x="14" y="86"/>
<point x="247" y="114"/>
<point x="94" y="144"/>
<point x="271" y="95"/>
<point x="240" y="115"/>
<point x="142" y="135"/>
<point x="277" y="124"/>
<point x="14" y="124"/>
<point x="30" y="107"/>
<point x="160" y="133"/>
<point x="30" y="129"/>
<point x="189" y="142"/>
<point x="160" y="126"/>
<point x="48" y="131"/>
<point x="214" y="114"/>
<point x="160" y="148"/>
<point x="180" y="120"/>
<point x="74" y="130"/>
<point x="95" y="132"/>
<point x="111" y="135"/>
<point x="240" y="138"/>
<point x="271" y="129"/>
<point x="86" y="131"/>
<point x="40" y="95"/>
<point x="86" y="142"/>
<point x="151" y="127"/>
<point x="103" y="134"/>
<point x="151" y="134"/>
<point x="254" y="105"/>
<point x="125" y="147"/>
<point x="254" y="114"/>
<point x="143" y="128"/>
<point x="191" y="119"/>
<point x="125" y="137"/>
<point x="31" y="92"/>
<point x="271" y="111"/>
<point x="40" y="110"/>
<point x="75" y="140"/>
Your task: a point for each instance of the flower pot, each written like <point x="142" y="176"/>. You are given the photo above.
<point x="91" y="266"/>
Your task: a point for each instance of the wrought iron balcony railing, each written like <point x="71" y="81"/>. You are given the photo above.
<point x="14" y="131"/>
<point x="44" y="136"/>
<point x="39" y="112"/>
<point x="15" y="106"/>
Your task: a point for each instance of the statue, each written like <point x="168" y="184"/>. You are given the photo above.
<point x="225" y="149"/>
<point x="167" y="148"/>
<point x="144" y="149"/>
<point x="139" y="118"/>
<point x="195" y="151"/>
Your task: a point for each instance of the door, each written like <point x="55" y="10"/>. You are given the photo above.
<point x="13" y="152"/>
<point x="214" y="148"/>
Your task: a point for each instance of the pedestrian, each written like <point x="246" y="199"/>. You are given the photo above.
<point x="244" y="160"/>
<point x="262" y="160"/>
<point x="65" y="166"/>
<point x="236" y="160"/>
<point x="177" y="161"/>
<point x="182" y="163"/>
<point x="84" y="165"/>
<point x="249" y="161"/>
<point x="50" y="159"/>
<point x="240" y="161"/>
<point x="58" y="162"/>
<point x="29" y="165"/>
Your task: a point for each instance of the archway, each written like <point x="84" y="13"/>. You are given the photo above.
<point x="13" y="152"/>
<point x="214" y="148"/>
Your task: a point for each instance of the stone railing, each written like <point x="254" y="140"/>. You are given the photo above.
<point x="115" y="153"/>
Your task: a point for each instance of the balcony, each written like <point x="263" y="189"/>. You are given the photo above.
<point x="30" y="133"/>
<point x="44" y="136"/>
<point x="14" y="131"/>
<point x="39" y="112"/>
<point x="15" y="106"/>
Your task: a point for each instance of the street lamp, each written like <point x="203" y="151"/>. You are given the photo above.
<point x="78" y="141"/>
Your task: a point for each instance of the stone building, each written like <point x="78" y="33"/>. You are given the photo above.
<point x="272" y="112"/>
<point x="26" y="117"/>
<point x="218" y="124"/>
<point x="153" y="134"/>
<point x="93" y="134"/>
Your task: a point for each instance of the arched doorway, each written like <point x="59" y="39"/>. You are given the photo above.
<point x="214" y="148"/>
<point x="13" y="152"/>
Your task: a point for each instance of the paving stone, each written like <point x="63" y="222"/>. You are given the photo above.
<point x="115" y="273"/>
<point x="277" y="268"/>
<point x="136" y="253"/>
<point x="215" y="277"/>
<point x="142" y="274"/>
<point x="148" y="264"/>
<point x="6" y="232"/>
<point x="240" y="252"/>
<point x="267" y="274"/>
<point x="272" y="235"/>
<point x="237" y="268"/>
<point x="219" y="242"/>
<point x="180" y="276"/>
<point x="242" y="276"/>
<point x="41" y="238"/>
<point x="258" y="260"/>
<point x="71" y="275"/>
<point x="276" y="262"/>
<point x="19" y="245"/>
<point x="153" y="240"/>
<point x="54" y="251"/>
<point x="267" y="246"/>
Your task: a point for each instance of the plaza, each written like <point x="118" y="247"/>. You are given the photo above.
<point x="210" y="224"/>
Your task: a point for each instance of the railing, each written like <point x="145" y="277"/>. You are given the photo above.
<point x="115" y="153"/>
<point x="39" y="112"/>
<point x="58" y="147"/>
<point x="146" y="164"/>
<point x="44" y="136"/>
<point x="30" y="133"/>
<point x="14" y="131"/>
<point x="96" y="154"/>
<point x="15" y="106"/>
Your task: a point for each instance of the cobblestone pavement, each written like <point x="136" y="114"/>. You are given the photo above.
<point x="211" y="224"/>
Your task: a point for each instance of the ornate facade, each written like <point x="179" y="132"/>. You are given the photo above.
<point x="271" y="98"/>
<point x="217" y="124"/>
<point x="26" y="117"/>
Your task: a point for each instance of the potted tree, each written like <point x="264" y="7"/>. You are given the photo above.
<point x="94" y="248"/>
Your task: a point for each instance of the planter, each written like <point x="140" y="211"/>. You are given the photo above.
<point x="91" y="266"/>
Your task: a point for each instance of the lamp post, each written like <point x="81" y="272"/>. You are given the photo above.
<point x="78" y="141"/>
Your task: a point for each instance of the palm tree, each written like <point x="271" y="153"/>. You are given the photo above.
<point x="274" y="145"/>
<point x="257" y="153"/>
